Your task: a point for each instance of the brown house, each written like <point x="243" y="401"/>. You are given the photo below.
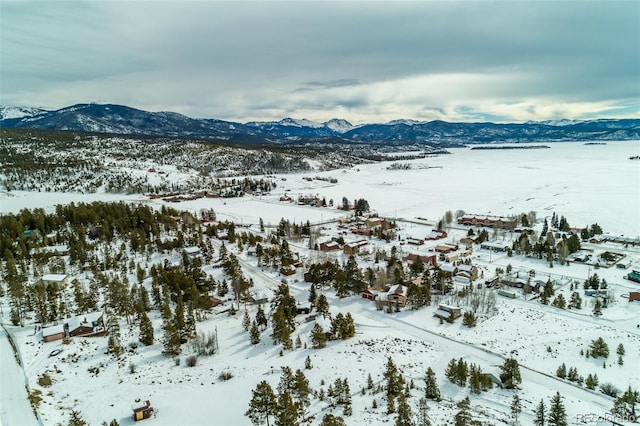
<point x="91" y="324"/>
<point x="436" y="235"/>
<point x="426" y="260"/>
<point x="446" y="248"/>
<point x="370" y="294"/>
<point x="354" y="247"/>
<point x="467" y="271"/>
<point x="396" y="296"/>
<point x="491" y="221"/>
<point x="329" y="246"/>
<point x="634" y="296"/>
<point x="86" y="325"/>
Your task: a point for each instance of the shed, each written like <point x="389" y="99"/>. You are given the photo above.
<point x="448" y="312"/>
<point x="55" y="332"/>
<point x="141" y="412"/>
<point x="59" y="279"/>
<point x="370" y="294"/>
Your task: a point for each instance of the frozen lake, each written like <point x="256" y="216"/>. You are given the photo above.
<point x="584" y="183"/>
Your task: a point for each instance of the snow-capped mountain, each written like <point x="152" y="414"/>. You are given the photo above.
<point x="9" y="112"/>
<point x="119" y="119"/>
<point x="405" y="121"/>
<point x="339" y="125"/>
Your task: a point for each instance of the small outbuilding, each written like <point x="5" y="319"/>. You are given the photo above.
<point x="142" y="412"/>
<point x="448" y="312"/>
<point x="55" y="332"/>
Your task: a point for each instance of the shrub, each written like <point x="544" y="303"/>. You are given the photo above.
<point x="225" y="375"/>
<point x="44" y="380"/>
<point x="469" y="319"/>
<point x="34" y="398"/>
<point x="191" y="360"/>
<point x="205" y="344"/>
<point x="609" y="389"/>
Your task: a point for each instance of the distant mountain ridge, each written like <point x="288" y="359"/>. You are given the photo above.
<point x="120" y="119"/>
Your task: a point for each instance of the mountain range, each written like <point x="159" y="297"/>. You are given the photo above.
<point x="119" y="119"/>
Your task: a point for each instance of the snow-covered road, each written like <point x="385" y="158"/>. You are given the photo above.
<point x="15" y="409"/>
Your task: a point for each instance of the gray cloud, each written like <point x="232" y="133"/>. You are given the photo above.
<point x="363" y="61"/>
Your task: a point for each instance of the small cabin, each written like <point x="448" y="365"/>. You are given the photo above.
<point x="142" y="412"/>
<point x="448" y="312"/>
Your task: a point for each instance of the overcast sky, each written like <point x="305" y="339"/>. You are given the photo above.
<point x="362" y="61"/>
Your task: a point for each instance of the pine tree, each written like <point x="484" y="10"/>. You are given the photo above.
<point x="597" y="308"/>
<point x="451" y="371"/>
<point x="422" y="416"/>
<point x="76" y="419"/>
<point x="322" y="305"/>
<point x="462" y="372"/>
<point x="178" y="315"/>
<point x="475" y="379"/>
<point x="347" y="409"/>
<point x="331" y="420"/>
<point x="171" y="340"/>
<point x="405" y="418"/>
<point x="369" y="382"/>
<point x="190" y="323"/>
<point x="318" y="338"/>
<point x="599" y="348"/>
<point x="625" y="405"/>
<point x="262" y="404"/>
<point x="391" y="404"/>
<point x="557" y="413"/>
<point x="261" y="319"/>
<point x="431" y="390"/>
<point x="620" y="350"/>
<point x="575" y="301"/>
<point x="146" y="329"/>
<point x="349" y="329"/>
<point x="287" y="412"/>
<point x="572" y="375"/>
<point x="559" y="302"/>
<point x="113" y="329"/>
<point x="254" y="333"/>
<point x="516" y="407"/>
<point x="463" y="417"/>
<point x="313" y="296"/>
<point x="540" y="414"/>
<point x="307" y="363"/>
<point x="590" y="383"/>
<point x="394" y="380"/>
<point x="246" y="321"/>
<point x="301" y="392"/>
<point x="510" y="373"/>
<point x="287" y="381"/>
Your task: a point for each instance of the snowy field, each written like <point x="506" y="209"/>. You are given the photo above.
<point x="586" y="184"/>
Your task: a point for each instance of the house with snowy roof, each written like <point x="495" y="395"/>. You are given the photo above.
<point x="395" y="296"/>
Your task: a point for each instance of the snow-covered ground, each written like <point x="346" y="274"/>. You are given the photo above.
<point x="14" y="405"/>
<point x="586" y="184"/>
